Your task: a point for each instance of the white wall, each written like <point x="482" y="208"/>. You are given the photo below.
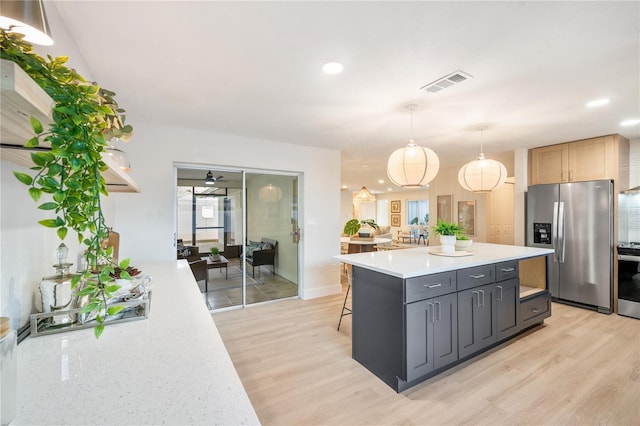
<point x="146" y="221"/>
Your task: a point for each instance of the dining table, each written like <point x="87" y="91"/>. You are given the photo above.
<point x="363" y="245"/>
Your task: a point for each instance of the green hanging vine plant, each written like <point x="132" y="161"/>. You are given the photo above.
<point x="85" y="117"/>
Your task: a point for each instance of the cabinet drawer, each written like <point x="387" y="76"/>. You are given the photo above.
<point x="536" y="309"/>
<point x="506" y="270"/>
<point x="428" y="286"/>
<point x="473" y="277"/>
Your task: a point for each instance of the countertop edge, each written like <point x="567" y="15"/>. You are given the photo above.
<point x="415" y="262"/>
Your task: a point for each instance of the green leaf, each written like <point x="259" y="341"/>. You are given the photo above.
<point x="114" y="310"/>
<point x="89" y="307"/>
<point x="48" y="206"/>
<point x="99" y="319"/>
<point x="62" y="232"/>
<point x="35" y="124"/>
<point x="23" y="177"/>
<point x="124" y="264"/>
<point x="58" y="196"/>
<point x="32" y="143"/>
<point x="75" y="280"/>
<point x="112" y="288"/>
<point x="49" y="223"/>
<point x="35" y="193"/>
<point x="85" y="291"/>
<point x="97" y="331"/>
<point x="41" y="158"/>
<point x="64" y="110"/>
<point x="125" y="275"/>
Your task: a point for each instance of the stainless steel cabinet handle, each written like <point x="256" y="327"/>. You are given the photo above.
<point x="508" y="269"/>
<point x="433" y="285"/>
<point x="500" y="297"/>
<point x="477" y="276"/>
<point x="473" y="295"/>
<point x="437" y="311"/>
<point x="482" y="293"/>
<point x="431" y="312"/>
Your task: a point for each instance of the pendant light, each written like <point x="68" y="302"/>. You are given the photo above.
<point x="27" y="17"/>
<point x="482" y="175"/>
<point x="412" y="166"/>
<point x="270" y="193"/>
<point x="364" y="196"/>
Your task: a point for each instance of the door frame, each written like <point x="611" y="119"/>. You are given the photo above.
<point x="244" y="170"/>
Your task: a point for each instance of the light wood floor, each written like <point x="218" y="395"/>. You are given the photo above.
<point x="580" y="368"/>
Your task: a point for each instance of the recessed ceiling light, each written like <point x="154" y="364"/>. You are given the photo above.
<point x="630" y="122"/>
<point x="381" y="181"/>
<point x="389" y="189"/>
<point x="332" y="68"/>
<point x="598" y="102"/>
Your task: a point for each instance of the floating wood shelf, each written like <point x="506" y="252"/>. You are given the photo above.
<point x="21" y="98"/>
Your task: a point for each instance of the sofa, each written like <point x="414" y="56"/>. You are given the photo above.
<point x="261" y="253"/>
<point x="383" y="232"/>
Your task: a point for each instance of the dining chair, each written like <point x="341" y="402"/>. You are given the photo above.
<point x="200" y="272"/>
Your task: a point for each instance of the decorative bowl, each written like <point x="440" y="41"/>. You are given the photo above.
<point x="463" y="244"/>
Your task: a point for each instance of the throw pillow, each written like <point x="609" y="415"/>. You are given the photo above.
<point x="253" y="246"/>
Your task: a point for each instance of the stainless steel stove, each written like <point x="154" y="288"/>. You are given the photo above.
<point x="629" y="279"/>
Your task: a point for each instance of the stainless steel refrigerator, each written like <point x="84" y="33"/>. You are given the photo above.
<point x="576" y="220"/>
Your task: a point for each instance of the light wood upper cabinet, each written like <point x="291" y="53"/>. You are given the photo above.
<point x="549" y="164"/>
<point x="21" y="97"/>
<point x="588" y="159"/>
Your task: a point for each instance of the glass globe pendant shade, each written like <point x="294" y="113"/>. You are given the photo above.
<point x="120" y="158"/>
<point x="412" y="166"/>
<point x="482" y="175"/>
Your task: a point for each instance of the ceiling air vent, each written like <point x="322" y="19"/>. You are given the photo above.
<point x="447" y="81"/>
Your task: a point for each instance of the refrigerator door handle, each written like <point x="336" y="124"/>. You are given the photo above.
<point x="554" y="231"/>
<point x="561" y="236"/>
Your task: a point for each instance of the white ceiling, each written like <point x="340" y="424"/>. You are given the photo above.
<point x="254" y="69"/>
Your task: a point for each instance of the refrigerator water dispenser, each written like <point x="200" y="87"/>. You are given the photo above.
<point x="542" y="233"/>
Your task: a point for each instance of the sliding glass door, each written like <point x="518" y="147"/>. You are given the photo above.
<point x="251" y="220"/>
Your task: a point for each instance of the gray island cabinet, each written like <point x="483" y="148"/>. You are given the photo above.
<point x="416" y="314"/>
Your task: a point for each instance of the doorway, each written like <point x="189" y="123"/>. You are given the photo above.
<point x="251" y="219"/>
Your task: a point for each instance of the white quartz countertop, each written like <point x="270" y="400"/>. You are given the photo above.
<point x="171" y="368"/>
<point x="414" y="262"/>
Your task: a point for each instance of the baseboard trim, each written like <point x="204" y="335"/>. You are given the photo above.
<point x="321" y="292"/>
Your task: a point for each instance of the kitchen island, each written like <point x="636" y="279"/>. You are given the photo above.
<point x="417" y="313"/>
<point x="171" y="368"/>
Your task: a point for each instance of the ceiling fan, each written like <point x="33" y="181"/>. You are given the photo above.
<point x="211" y="179"/>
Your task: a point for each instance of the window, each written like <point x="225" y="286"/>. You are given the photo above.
<point x="418" y="212"/>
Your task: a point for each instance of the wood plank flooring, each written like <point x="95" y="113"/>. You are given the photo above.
<point x="579" y="368"/>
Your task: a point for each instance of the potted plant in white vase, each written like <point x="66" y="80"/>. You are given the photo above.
<point x="361" y="227"/>
<point x="448" y="232"/>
